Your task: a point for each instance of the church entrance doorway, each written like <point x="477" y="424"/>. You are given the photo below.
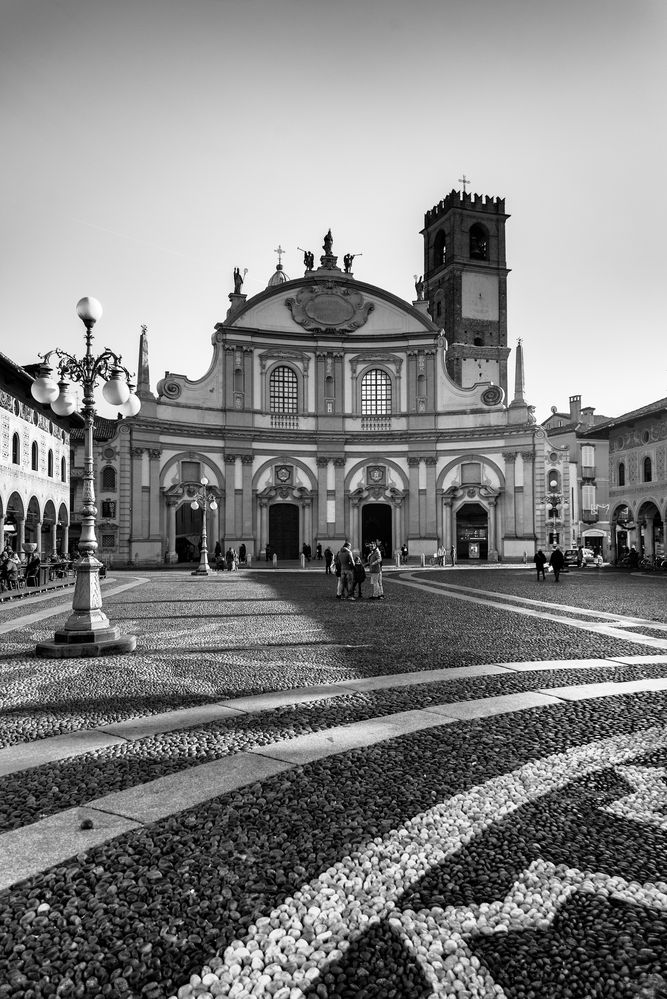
<point x="188" y="533"/>
<point x="284" y="530"/>
<point x="472" y="532"/>
<point x="376" y="526"/>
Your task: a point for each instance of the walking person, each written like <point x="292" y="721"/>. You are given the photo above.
<point x="540" y="560"/>
<point x="375" y="571"/>
<point x="359" y="576"/>
<point x="346" y="572"/>
<point x="328" y="559"/>
<point x="557" y="561"/>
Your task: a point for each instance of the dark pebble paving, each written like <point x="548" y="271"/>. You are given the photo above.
<point x="411" y="631"/>
<point x="139" y="915"/>
<point x="29" y="795"/>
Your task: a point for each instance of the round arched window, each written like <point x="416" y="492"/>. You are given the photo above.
<point x="376" y="393"/>
<point x="283" y="390"/>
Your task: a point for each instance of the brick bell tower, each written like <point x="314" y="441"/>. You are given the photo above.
<point x="465" y="284"/>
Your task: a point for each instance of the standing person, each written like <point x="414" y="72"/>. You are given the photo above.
<point x="375" y="570"/>
<point x="359" y="576"/>
<point x="328" y="559"/>
<point x="580" y="556"/>
<point x="452" y="554"/>
<point x="268" y="553"/>
<point x="318" y="551"/>
<point x="229" y="559"/>
<point x="540" y="559"/>
<point x="404" y="554"/>
<point x="346" y="571"/>
<point x="557" y="561"/>
<point x="633" y="558"/>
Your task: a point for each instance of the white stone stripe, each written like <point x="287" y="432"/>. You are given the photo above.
<point x="359" y="891"/>
<point x="23" y="756"/>
<point x="176" y="792"/>
<point x="23" y="622"/>
<point x="595" y="627"/>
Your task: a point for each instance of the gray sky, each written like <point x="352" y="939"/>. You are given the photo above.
<point x="150" y="146"/>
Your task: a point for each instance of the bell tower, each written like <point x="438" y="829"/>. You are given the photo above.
<point x="465" y="278"/>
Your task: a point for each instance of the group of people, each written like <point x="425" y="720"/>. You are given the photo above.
<point x="556" y="563"/>
<point x="351" y="572"/>
<point x="10" y="566"/>
<point x="231" y="559"/>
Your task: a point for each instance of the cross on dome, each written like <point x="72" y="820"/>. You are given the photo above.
<point x="280" y="252"/>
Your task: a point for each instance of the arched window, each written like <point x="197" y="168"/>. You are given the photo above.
<point x="35" y="456"/>
<point x="63" y="470"/>
<point x="376" y="393"/>
<point x="283" y="391"/>
<point x="49" y="465"/>
<point x="109" y="478"/>
<point x="439" y="249"/>
<point x="16" y="450"/>
<point x="621" y="473"/>
<point x="648" y="470"/>
<point x="479" y="242"/>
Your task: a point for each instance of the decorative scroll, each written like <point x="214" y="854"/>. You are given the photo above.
<point x="329" y="306"/>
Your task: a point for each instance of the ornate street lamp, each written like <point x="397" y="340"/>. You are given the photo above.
<point x="87" y="631"/>
<point x="205" y="498"/>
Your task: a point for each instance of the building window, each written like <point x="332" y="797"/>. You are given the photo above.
<point x="16" y="450"/>
<point x="588" y="497"/>
<point x="479" y="242"/>
<point x="648" y="470"/>
<point x="376" y="393"/>
<point x="283" y="391"/>
<point x="439" y="249"/>
<point x="471" y="472"/>
<point x="63" y="470"/>
<point x="49" y="465"/>
<point x="35" y="456"/>
<point x="109" y="509"/>
<point x="588" y="456"/>
<point x="108" y="541"/>
<point x="109" y="478"/>
<point x="621" y="473"/>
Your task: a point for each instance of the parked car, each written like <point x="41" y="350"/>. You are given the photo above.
<point x="572" y="556"/>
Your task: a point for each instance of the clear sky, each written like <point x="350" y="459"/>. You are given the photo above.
<point x="150" y="146"/>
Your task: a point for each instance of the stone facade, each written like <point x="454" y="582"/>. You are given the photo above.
<point x="577" y="480"/>
<point x="637" y="478"/>
<point x="328" y="411"/>
<point x="34" y="467"/>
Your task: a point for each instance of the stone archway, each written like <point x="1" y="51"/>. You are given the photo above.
<point x="472" y="532"/>
<point x="650" y="530"/>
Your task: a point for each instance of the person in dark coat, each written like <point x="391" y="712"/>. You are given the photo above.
<point x="328" y="559"/>
<point x="359" y="576"/>
<point x="557" y="561"/>
<point x="540" y="560"/>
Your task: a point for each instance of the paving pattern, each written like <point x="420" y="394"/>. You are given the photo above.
<point x="459" y="791"/>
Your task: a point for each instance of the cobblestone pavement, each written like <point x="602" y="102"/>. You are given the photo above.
<point x="459" y="790"/>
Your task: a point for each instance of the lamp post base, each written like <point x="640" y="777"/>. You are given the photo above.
<point x="202" y="570"/>
<point x="86" y="644"/>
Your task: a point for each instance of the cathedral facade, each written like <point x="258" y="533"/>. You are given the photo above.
<point x="333" y="409"/>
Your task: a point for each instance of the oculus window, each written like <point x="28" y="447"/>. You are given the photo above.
<point x="376" y="393"/>
<point x="283" y="390"/>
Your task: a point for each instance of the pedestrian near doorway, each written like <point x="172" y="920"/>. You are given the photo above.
<point x="346" y="561"/>
<point x="540" y="560"/>
<point x="328" y="559"/>
<point x="557" y="561"/>
<point x="375" y="572"/>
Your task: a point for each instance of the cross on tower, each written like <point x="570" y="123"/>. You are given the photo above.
<point x="464" y="180"/>
<point x="280" y="252"/>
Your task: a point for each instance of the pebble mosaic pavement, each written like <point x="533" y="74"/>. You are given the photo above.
<point x="522" y="854"/>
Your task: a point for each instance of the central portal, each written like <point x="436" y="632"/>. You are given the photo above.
<point x="376" y="526"/>
<point x="472" y="532"/>
<point x="284" y="530"/>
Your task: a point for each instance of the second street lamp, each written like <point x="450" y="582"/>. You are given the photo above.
<point x="87" y="631"/>
<point x="205" y="498"/>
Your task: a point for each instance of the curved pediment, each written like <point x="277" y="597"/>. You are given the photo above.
<point x="332" y="304"/>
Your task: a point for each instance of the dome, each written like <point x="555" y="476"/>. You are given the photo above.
<point x="278" y="278"/>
